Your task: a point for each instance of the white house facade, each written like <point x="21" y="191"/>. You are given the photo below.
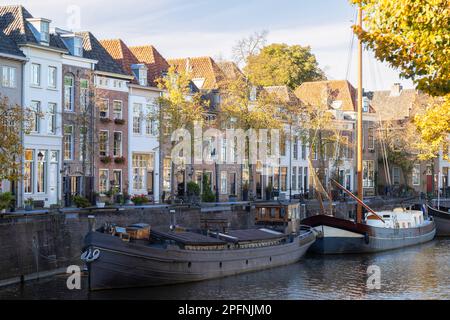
<point x="143" y="141"/>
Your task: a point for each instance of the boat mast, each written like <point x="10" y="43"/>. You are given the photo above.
<point x="359" y="215"/>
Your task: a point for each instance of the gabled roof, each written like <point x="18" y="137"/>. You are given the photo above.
<point x="284" y="93"/>
<point x="94" y="50"/>
<point x="9" y="47"/>
<point x="200" y="68"/>
<point x="230" y="69"/>
<point x="312" y="93"/>
<point x="121" y="54"/>
<point x="14" y="24"/>
<point x="391" y="106"/>
<point x="154" y="61"/>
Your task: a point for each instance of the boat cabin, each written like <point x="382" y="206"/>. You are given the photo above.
<point x="279" y="214"/>
<point x="398" y="219"/>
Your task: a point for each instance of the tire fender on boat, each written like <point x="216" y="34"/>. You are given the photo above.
<point x="366" y="238"/>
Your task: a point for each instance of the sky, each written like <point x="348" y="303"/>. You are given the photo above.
<point x="180" y="28"/>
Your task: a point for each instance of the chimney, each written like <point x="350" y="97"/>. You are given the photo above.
<point x="396" y="89"/>
<point x="188" y="65"/>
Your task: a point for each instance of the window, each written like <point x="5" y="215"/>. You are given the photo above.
<point x="166" y="174"/>
<point x="77" y="47"/>
<point x="28" y="171"/>
<point x="304" y="154"/>
<point x="51" y="122"/>
<point x="223" y="182"/>
<point x="117" y="110"/>
<point x="142" y="164"/>
<point x="9" y="77"/>
<point x="224" y="151"/>
<point x="368" y="174"/>
<point x="35" y="74"/>
<point x="35" y="117"/>
<point x="117" y="180"/>
<point x="295" y="148"/>
<point x="143" y="76"/>
<point x="371" y="138"/>
<point x="45" y="34"/>
<point x="52" y="77"/>
<point x="103" y="180"/>
<point x="151" y="127"/>
<point x="103" y="143"/>
<point x="305" y="179"/>
<point x="104" y="108"/>
<point x="117" y="144"/>
<point x="344" y="151"/>
<point x="396" y="175"/>
<point x="84" y="95"/>
<point x="294" y="178"/>
<point x="68" y="142"/>
<point x="300" y="179"/>
<point x="137" y="109"/>
<point x="284" y="178"/>
<point x="41" y="171"/>
<point x="69" y="93"/>
<point x="83" y="145"/>
<point x="416" y="175"/>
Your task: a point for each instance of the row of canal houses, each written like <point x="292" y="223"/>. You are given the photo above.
<point x="92" y="132"/>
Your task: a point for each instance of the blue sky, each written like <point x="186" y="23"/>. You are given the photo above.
<point x="180" y="28"/>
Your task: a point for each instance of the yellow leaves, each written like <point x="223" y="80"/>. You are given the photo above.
<point x="434" y="126"/>
<point x="11" y="118"/>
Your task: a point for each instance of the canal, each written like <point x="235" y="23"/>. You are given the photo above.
<point x="420" y="272"/>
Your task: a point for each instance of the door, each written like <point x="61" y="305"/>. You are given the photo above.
<point x="150" y="182"/>
<point x="258" y="185"/>
<point x="429" y="179"/>
<point x="53" y="184"/>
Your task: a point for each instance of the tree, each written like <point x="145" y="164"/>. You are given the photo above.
<point x="14" y="120"/>
<point x="281" y="64"/>
<point x="414" y="36"/>
<point x="179" y="108"/>
<point x="248" y="47"/>
<point x="247" y="111"/>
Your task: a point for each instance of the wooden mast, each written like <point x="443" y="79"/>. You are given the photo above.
<point x="359" y="216"/>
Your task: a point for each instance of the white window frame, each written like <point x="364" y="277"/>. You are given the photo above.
<point x="104" y="102"/>
<point x="121" y="178"/>
<point x="84" y="95"/>
<point x="36" y="107"/>
<point x="120" y="153"/>
<point x="9" y="77"/>
<point x="100" y="171"/>
<point x="44" y="168"/>
<point x="30" y="163"/>
<point x="52" y="77"/>
<point x="137" y="118"/>
<point x="69" y="94"/>
<point x="51" y="120"/>
<point x="116" y="103"/>
<point x="416" y="175"/>
<point x="106" y="151"/>
<point x="35" y="75"/>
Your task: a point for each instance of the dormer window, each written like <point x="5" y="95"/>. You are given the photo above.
<point x="41" y="29"/>
<point x="77" y="47"/>
<point x="45" y="32"/>
<point x="140" y="72"/>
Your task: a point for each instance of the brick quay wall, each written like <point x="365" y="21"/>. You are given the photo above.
<point x="37" y="245"/>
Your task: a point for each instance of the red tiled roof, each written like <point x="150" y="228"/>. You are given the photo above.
<point x="200" y="68"/>
<point x="312" y="93"/>
<point x="154" y="61"/>
<point x="283" y="93"/>
<point x="121" y="54"/>
<point x="230" y="69"/>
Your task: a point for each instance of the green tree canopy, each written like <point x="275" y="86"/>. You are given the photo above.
<point x="281" y="64"/>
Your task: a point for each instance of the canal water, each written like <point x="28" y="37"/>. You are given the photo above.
<point x="420" y="272"/>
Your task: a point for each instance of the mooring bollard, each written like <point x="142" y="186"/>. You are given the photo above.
<point x="91" y="220"/>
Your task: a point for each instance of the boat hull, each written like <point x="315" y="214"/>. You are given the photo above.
<point x="125" y="265"/>
<point x="338" y="236"/>
<point x="442" y="221"/>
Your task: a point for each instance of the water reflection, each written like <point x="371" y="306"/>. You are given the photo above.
<point x="420" y="272"/>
